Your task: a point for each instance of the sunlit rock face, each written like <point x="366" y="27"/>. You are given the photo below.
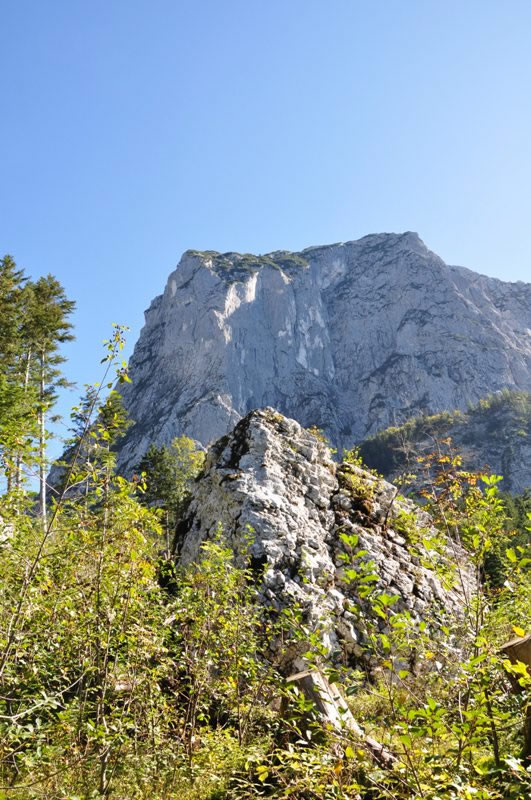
<point x="317" y="529"/>
<point x="350" y="337"/>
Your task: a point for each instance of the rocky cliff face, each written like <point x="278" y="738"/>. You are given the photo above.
<point x="494" y="435"/>
<point x="272" y="478"/>
<point x="349" y="337"/>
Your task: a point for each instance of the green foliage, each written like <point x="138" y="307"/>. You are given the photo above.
<point x="440" y="698"/>
<point x="166" y="474"/>
<point x="501" y="418"/>
<point x="240" y="265"/>
<point x="34" y="321"/>
<point x="117" y="682"/>
<point x="18" y="397"/>
<point x="517" y="537"/>
<point x="84" y="668"/>
<point x="97" y="425"/>
<point x="353" y="457"/>
<point x="518" y="509"/>
<point x="47" y="327"/>
<point x="357" y="483"/>
<point x="107" y="681"/>
<point x="219" y="630"/>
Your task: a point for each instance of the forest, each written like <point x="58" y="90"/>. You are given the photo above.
<point x="125" y="675"/>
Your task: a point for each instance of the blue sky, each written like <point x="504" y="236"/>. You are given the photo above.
<point x="134" y="129"/>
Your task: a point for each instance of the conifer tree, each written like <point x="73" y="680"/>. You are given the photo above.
<point x="47" y="328"/>
<point x="13" y="412"/>
<point x="11" y="285"/>
<point x="168" y="473"/>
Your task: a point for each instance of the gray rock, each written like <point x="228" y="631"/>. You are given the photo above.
<point x="350" y="337"/>
<point x="259" y="481"/>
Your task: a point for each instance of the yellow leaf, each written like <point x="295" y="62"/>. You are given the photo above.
<point x="263" y="773"/>
<point x="518" y="631"/>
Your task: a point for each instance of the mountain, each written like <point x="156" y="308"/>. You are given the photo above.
<point x="349" y="337"/>
<point x="321" y="533"/>
<point x="494" y="434"/>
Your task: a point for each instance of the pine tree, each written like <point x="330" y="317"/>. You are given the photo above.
<point x="11" y="286"/>
<point x="47" y="328"/>
<point x="15" y="417"/>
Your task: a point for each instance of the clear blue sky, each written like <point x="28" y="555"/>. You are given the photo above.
<point x="134" y="129"/>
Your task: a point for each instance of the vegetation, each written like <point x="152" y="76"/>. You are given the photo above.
<point x="395" y="449"/>
<point x="34" y="323"/>
<point x="125" y="676"/>
<point x="499" y="417"/>
<point x="499" y="420"/>
<point x="166" y="474"/>
<point x="241" y="265"/>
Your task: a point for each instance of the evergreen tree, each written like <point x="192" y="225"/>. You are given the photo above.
<point x="97" y="426"/>
<point x="168" y="473"/>
<point x="113" y="421"/>
<point x="11" y="287"/>
<point x="15" y="413"/>
<point x="47" y="328"/>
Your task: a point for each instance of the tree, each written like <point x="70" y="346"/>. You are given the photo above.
<point x="14" y="415"/>
<point x="47" y="327"/>
<point x="97" y="426"/>
<point x="11" y="288"/>
<point x="168" y="473"/>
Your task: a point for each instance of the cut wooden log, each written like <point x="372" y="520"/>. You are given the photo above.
<point x="519" y="650"/>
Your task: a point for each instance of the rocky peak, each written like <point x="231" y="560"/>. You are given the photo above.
<point x="351" y="337"/>
<point x="272" y="480"/>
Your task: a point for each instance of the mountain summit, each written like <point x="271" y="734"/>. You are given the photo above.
<point x="350" y="337"/>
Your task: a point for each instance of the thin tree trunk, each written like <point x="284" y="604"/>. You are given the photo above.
<point x="42" y="449"/>
<point x="18" y="480"/>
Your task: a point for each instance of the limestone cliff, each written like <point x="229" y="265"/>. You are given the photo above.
<point x="272" y="479"/>
<point x="350" y="337"/>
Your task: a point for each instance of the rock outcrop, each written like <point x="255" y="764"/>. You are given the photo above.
<point x="321" y="533"/>
<point x="494" y="435"/>
<point x="349" y="337"/>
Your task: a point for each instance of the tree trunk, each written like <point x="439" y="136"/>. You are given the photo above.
<point x="42" y="447"/>
<point x="18" y="479"/>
